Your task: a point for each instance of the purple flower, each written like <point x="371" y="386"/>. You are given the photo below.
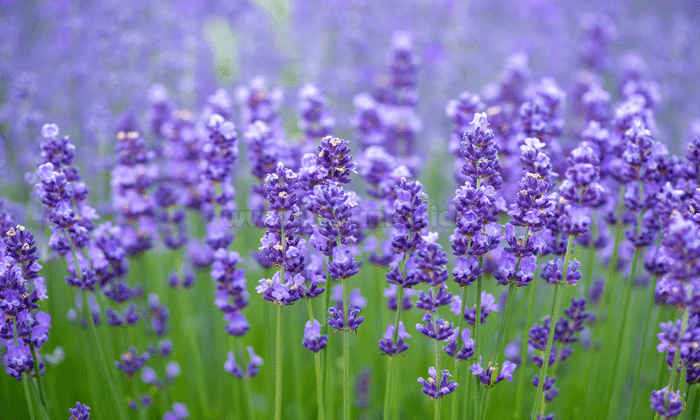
<point x="80" y="412"/>
<point x="252" y="369"/>
<point x="338" y="319"/>
<point x="18" y="359"/>
<point x="131" y="362"/>
<point x="178" y="412"/>
<point x="313" y="340"/>
<point x="434" y="389"/>
<point x="439" y="329"/>
<point x="480" y="151"/>
<point x="388" y="346"/>
<point x="485" y="376"/>
<point x="667" y="403"/>
<point x="552" y="271"/>
<point x="550" y="391"/>
<point x="468" y="345"/>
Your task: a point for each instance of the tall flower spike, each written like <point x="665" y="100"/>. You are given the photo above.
<point x="480" y="151"/>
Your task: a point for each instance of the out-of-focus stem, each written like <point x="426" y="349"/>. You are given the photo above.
<point x="540" y="400"/>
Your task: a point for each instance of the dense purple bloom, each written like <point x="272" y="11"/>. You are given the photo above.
<point x="410" y="215"/>
<point x="388" y="346"/>
<point x="18" y="359"/>
<point x="80" y="412"/>
<point x="281" y="244"/>
<point x="667" y="403"/>
<point x="480" y="152"/>
<point x="313" y="340"/>
<point x="434" y="389"/>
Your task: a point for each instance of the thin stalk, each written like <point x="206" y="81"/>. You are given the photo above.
<point x="387" y="390"/>
<point x="317" y="361"/>
<point x="437" y="375"/>
<point x="539" y="400"/>
<point x="35" y="391"/>
<point x="327" y="384"/>
<point x="612" y="266"/>
<point x="135" y="390"/>
<point x="346" y="355"/>
<point x="504" y="320"/>
<point x="278" y="363"/>
<point x="399" y="305"/>
<point x="640" y="358"/>
<point x="37" y="376"/>
<point x="319" y="386"/>
<point x="523" y="352"/>
<point x="625" y="310"/>
<point x="28" y="395"/>
<point x="196" y="354"/>
<point x="477" y="337"/>
<point x="455" y="401"/>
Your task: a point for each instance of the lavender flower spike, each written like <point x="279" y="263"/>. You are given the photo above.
<point x="80" y="412"/>
<point x="433" y="389"/>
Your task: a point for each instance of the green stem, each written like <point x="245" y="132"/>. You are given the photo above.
<point x="612" y="266"/>
<point x="319" y="386"/>
<point x="30" y="404"/>
<point x="455" y="401"/>
<point x="437" y="375"/>
<point x="387" y="390"/>
<point x="196" y="353"/>
<point x="618" y="355"/>
<point x="640" y="358"/>
<point x="327" y="384"/>
<point x="346" y="355"/>
<point x="317" y="361"/>
<point x="91" y="324"/>
<point x="35" y="391"/>
<point x="504" y="319"/>
<point x="523" y="351"/>
<point x="278" y="365"/>
<point x="540" y="400"/>
<point x="37" y="375"/>
<point x="477" y="337"/>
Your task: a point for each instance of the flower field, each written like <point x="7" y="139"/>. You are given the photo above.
<point x="349" y="210"/>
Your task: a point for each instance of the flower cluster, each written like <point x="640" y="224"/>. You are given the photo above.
<point x="22" y="328"/>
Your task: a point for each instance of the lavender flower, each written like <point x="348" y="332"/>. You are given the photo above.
<point x="252" y="369"/>
<point x="386" y="343"/>
<point x="437" y="389"/>
<point x="131" y="361"/>
<point x="667" y="403"/>
<point x="80" y="412"/>
<point x="466" y="351"/>
<point x="486" y="376"/>
<point x="313" y="340"/>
